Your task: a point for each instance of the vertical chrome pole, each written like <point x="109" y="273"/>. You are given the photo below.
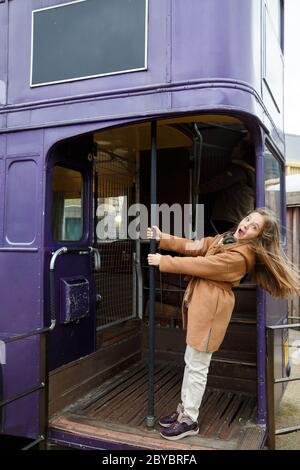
<point x="150" y="416"/>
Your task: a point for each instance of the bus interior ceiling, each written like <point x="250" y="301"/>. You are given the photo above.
<point x="108" y="389"/>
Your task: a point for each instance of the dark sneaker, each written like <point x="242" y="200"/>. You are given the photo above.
<point x="178" y="430"/>
<point x="167" y="421"/>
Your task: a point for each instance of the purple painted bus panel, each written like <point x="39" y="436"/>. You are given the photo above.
<point x="24" y="144"/>
<point x="2" y="145"/>
<point x="21" y="219"/>
<point x="66" y="439"/>
<point x="20" y="291"/>
<point x="135" y="106"/>
<point x="3" y="56"/>
<point x="2" y="179"/>
<point x="220" y="39"/>
<point x="208" y="41"/>
<point x="21" y="418"/>
<point x="217" y="99"/>
<point x="20" y="374"/>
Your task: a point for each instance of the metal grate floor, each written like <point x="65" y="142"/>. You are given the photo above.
<point x="226" y="420"/>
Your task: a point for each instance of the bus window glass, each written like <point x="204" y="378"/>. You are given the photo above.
<point x="272" y="184"/>
<point x="111" y="217"/>
<point x="67" y="216"/>
<point x="274" y="10"/>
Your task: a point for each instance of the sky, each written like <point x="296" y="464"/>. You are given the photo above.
<point x="292" y="67"/>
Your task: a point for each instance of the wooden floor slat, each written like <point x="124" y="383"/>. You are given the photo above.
<point x="120" y="387"/>
<point x="137" y="415"/>
<point x="213" y="412"/>
<point x="94" y="398"/>
<point x="228" y="424"/>
<point x="241" y="419"/>
<point x="131" y="400"/>
<point x="226" y="419"/>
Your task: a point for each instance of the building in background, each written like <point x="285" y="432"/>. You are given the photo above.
<point x="293" y="207"/>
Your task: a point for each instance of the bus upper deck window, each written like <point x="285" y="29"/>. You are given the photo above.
<point x="67" y="213"/>
<point x="273" y="186"/>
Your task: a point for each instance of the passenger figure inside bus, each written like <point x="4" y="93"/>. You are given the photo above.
<point x="233" y="189"/>
<point x="215" y="266"/>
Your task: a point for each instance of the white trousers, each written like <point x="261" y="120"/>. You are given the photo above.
<point x="194" y="381"/>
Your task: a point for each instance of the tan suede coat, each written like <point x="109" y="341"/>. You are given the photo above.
<point x="209" y="293"/>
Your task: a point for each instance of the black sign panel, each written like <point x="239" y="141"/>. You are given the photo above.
<point x="88" y="38"/>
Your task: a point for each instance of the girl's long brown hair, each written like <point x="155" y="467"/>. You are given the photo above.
<point x="273" y="271"/>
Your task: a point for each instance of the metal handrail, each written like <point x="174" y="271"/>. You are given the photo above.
<point x="39" y="440"/>
<point x="21" y="395"/>
<point x="20" y="336"/>
<point x="44" y="367"/>
<point x="43" y="386"/>
<point x="287" y="326"/>
<point x="272" y="381"/>
<point x="80" y="251"/>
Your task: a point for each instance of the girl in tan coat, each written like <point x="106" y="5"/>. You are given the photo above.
<point x="216" y="264"/>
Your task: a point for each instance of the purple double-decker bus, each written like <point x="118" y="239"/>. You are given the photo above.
<point x="106" y="104"/>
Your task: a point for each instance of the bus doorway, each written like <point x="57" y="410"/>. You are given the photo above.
<point x="100" y="400"/>
<point x="69" y="280"/>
